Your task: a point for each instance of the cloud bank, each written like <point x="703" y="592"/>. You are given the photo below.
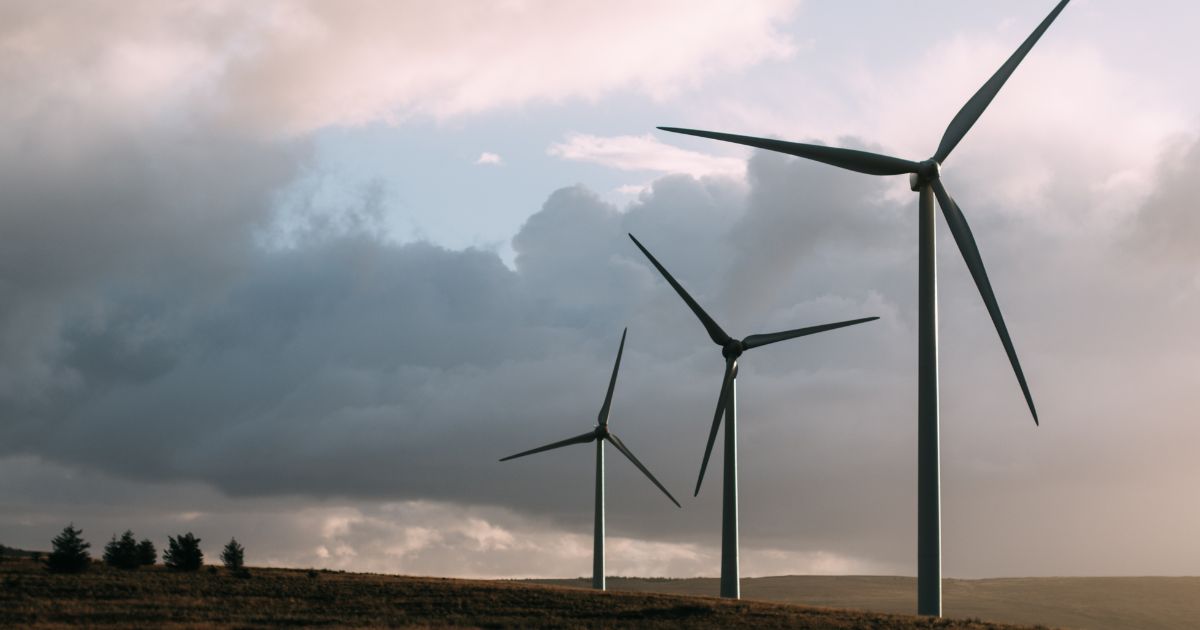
<point x="348" y="368"/>
<point x="354" y="393"/>
<point x="294" y="67"/>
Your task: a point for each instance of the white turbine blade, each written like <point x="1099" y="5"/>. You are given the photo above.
<point x="754" y="341"/>
<point x="616" y="441"/>
<point x="970" y="253"/>
<point x="612" y="383"/>
<point x="849" y="159"/>
<point x="974" y="108"/>
<point x="714" y="331"/>
<point x="578" y="439"/>
<point x="722" y="400"/>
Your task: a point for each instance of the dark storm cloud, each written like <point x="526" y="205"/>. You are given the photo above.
<point x="346" y="365"/>
<point x="176" y="210"/>
<point x="821" y="214"/>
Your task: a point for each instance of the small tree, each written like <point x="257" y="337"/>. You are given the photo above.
<point x="122" y="553"/>
<point x="183" y="553"/>
<point x="146" y="553"/>
<point x="70" y="554"/>
<point x="233" y="555"/>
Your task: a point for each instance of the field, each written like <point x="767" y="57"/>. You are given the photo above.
<point x="1105" y="603"/>
<point x="154" y="597"/>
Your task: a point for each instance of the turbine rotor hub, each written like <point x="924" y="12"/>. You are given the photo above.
<point x="927" y="171"/>
<point x="733" y="349"/>
<point x="602" y="431"/>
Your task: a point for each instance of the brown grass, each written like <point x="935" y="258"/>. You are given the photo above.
<point x="154" y="597"/>
<point x="1097" y="603"/>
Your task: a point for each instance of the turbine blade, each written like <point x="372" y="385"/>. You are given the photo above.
<point x="616" y="441"/>
<point x="714" y="331"/>
<point x="970" y="252"/>
<point x="612" y="383"/>
<point x="722" y="400"/>
<point x="578" y="439"/>
<point x="754" y="341"/>
<point x="860" y="161"/>
<point x="966" y="117"/>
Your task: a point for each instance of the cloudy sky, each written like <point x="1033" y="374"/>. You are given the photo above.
<point x="300" y="273"/>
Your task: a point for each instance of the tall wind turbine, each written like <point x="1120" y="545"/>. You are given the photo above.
<point x="599" y="435"/>
<point x="731" y="349"/>
<point x="925" y="178"/>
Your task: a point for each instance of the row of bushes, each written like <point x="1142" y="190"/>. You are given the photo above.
<point x="70" y="554"/>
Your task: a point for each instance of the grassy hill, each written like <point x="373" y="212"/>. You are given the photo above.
<point x="153" y="597"/>
<point x="1103" y="603"/>
<point x="12" y="552"/>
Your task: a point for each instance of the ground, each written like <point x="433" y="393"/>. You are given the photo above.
<point x="1096" y="603"/>
<point x="154" y="597"/>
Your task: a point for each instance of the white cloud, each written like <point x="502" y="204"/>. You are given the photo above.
<point x="1070" y="121"/>
<point x="316" y="64"/>
<point x="489" y="158"/>
<point x="292" y="67"/>
<point x="410" y="537"/>
<point x="644" y="153"/>
<point x="631" y="189"/>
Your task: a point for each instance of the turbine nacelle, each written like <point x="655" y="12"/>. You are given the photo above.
<point x="927" y="171"/>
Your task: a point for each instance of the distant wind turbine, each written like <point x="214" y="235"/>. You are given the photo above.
<point x="599" y="435"/>
<point x="925" y="178"/>
<point x="731" y="349"/>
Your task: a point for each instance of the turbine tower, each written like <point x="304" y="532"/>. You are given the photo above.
<point x="731" y="349"/>
<point x="925" y="179"/>
<point x="599" y="435"/>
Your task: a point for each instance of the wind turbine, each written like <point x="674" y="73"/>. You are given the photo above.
<point x="731" y="349"/>
<point x="925" y="178"/>
<point x="599" y="435"/>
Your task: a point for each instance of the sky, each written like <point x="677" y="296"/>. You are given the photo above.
<point x="300" y="274"/>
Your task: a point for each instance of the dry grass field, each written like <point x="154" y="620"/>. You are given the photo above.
<point x="155" y="598"/>
<point x="1096" y="603"/>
